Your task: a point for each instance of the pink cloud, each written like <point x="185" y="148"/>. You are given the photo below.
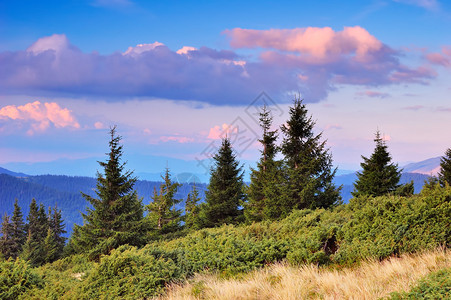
<point x="374" y="94"/>
<point x="442" y="59"/>
<point x="40" y="115"/>
<point x="218" y="132"/>
<point x="320" y="44"/>
<point x="99" y="125"/>
<point x="178" y="139"/>
<point x="333" y="126"/>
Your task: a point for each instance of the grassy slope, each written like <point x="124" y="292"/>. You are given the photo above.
<point x="369" y="280"/>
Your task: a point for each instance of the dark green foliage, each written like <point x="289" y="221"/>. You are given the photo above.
<point x="128" y="273"/>
<point x="225" y="190"/>
<point x="368" y="227"/>
<point x="405" y="190"/>
<point x="56" y="227"/>
<point x="117" y="213"/>
<point x="309" y="174"/>
<point x="16" y="277"/>
<point x="445" y="168"/>
<point x="37" y="228"/>
<point x="6" y="243"/>
<point x="264" y="192"/>
<point x="192" y="209"/>
<point x="379" y="175"/>
<point x="436" y="285"/>
<point x="163" y="214"/>
<point x="18" y="230"/>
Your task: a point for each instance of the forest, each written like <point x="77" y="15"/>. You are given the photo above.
<point x="291" y="213"/>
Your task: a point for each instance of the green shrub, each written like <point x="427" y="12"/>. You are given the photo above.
<point x="129" y="273"/>
<point x="16" y="277"/>
<point x="436" y="285"/>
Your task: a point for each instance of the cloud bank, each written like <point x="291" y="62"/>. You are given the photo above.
<point x="310" y="60"/>
<point x="38" y="116"/>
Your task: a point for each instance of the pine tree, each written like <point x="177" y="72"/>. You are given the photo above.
<point x="163" y="214"/>
<point x="6" y="241"/>
<point x="37" y="228"/>
<point x="445" y="168"/>
<point x="117" y="213"/>
<point x="50" y="247"/>
<point x="225" y="190"/>
<point x="18" y="235"/>
<point x="264" y="189"/>
<point x="308" y="164"/>
<point x="379" y="175"/>
<point x="56" y="227"/>
<point x="192" y="209"/>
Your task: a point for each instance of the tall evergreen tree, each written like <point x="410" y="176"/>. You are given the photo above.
<point x="445" y="168"/>
<point x="55" y="235"/>
<point x="163" y="214"/>
<point x="225" y="190"/>
<point x="308" y="164"/>
<point x="6" y="241"/>
<point x="192" y="209"/>
<point x="117" y="213"/>
<point x="264" y="190"/>
<point x="18" y="230"/>
<point x="379" y="175"/>
<point x="37" y="228"/>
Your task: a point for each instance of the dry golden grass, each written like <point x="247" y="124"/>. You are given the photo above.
<point x="369" y="280"/>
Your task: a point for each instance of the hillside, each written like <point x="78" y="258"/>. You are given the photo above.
<point x="310" y="254"/>
<point x="65" y="192"/>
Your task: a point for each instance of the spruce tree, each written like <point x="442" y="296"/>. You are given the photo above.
<point x="117" y="213"/>
<point x="6" y="241"/>
<point x="308" y="164"/>
<point x="18" y="235"/>
<point x="379" y="176"/>
<point x="445" y="168"/>
<point x="37" y="228"/>
<point x="225" y="190"/>
<point x="192" y="209"/>
<point x="163" y="214"/>
<point x="56" y="227"/>
<point x="264" y="190"/>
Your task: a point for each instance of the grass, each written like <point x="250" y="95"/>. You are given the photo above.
<point x="370" y="279"/>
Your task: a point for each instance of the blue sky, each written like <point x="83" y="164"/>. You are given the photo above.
<point x="174" y="75"/>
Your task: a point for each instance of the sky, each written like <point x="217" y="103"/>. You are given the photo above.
<point x="176" y="77"/>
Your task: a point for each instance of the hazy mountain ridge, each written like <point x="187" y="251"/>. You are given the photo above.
<point x="65" y="192"/>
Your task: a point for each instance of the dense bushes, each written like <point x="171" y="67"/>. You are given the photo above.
<point x="366" y="227"/>
<point x="16" y="277"/>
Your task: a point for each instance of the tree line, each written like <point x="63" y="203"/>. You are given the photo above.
<point x="40" y="240"/>
<point x="297" y="174"/>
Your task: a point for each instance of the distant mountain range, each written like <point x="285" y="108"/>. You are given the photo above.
<point x="65" y="192"/>
<point x="429" y="167"/>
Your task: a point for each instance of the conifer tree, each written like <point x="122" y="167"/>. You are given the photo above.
<point x="37" y="228"/>
<point x="225" y="190"/>
<point x="379" y="175"/>
<point x="163" y="214"/>
<point x="264" y="190"/>
<point x="192" y="209"/>
<point x="55" y="239"/>
<point x="18" y="235"/>
<point x="308" y="164"/>
<point x="6" y="241"/>
<point x="445" y="168"/>
<point x="117" y="213"/>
